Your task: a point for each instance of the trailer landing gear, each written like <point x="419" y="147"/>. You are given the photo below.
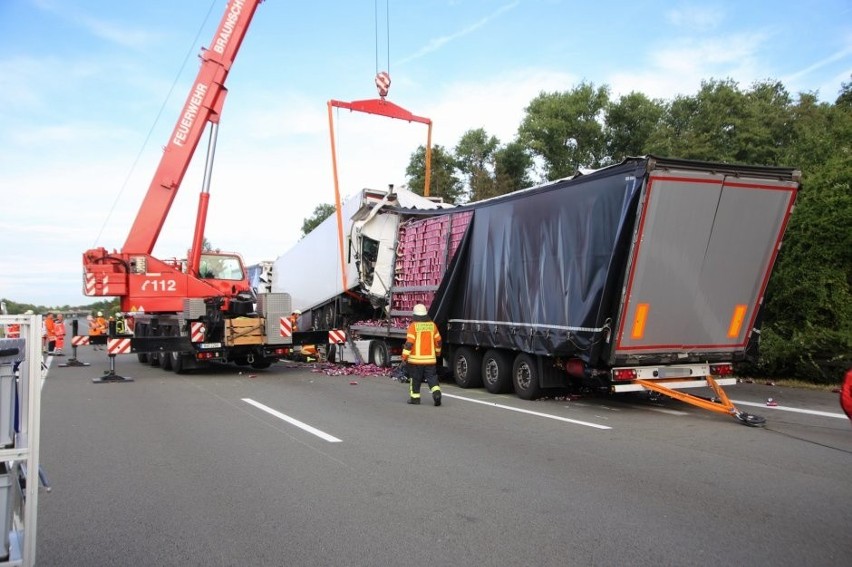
<point x="720" y="404"/>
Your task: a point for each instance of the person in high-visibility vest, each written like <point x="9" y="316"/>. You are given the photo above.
<point x="294" y="319"/>
<point x="98" y="327"/>
<point x="59" y="331"/>
<point x="49" y="333"/>
<point x="420" y="353"/>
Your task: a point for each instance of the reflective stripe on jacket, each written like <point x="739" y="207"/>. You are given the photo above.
<point x="422" y="343"/>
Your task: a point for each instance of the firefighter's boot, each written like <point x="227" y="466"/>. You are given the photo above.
<point x="414" y="401"/>
<point x="436" y="396"/>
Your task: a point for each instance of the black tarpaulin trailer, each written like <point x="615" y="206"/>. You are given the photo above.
<point x="654" y="264"/>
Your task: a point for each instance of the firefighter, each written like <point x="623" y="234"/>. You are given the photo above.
<point x="121" y="327"/>
<point x="98" y="328"/>
<point x="48" y="333"/>
<point x="420" y="355"/>
<point x="294" y="319"/>
<point x="59" y="331"/>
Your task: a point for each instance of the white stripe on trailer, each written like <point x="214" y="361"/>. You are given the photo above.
<point x="285" y="327"/>
<point x="197" y="332"/>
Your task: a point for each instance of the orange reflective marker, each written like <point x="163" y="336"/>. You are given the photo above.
<point x="737" y="321"/>
<point x="639" y="321"/>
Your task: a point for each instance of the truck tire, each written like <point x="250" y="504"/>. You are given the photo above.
<point x="142" y="331"/>
<point x="165" y="357"/>
<point x="166" y="360"/>
<point x="467" y="368"/>
<point x="525" y="377"/>
<point x="261" y="364"/>
<point x="177" y="362"/>
<point x="379" y="354"/>
<point x="497" y="371"/>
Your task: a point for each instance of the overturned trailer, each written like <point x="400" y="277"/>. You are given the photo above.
<point x="646" y="275"/>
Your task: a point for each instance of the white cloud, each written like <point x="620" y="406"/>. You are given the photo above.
<point x="114" y="32"/>
<point x="694" y="17"/>
<point x="679" y="66"/>
<point x="437" y="43"/>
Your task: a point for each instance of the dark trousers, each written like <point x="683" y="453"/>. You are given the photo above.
<point x="420" y="373"/>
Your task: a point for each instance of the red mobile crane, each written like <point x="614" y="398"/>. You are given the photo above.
<point x="189" y="312"/>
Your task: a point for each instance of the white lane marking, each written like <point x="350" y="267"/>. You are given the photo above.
<point x="659" y="410"/>
<point x="788" y="408"/>
<point x="293" y="421"/>
<point x="535" y="413"/>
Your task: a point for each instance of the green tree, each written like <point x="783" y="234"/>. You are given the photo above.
<point x="566" y="129"/>
<point x="630" y="123"/>
<point x="321" y="212"/>
<point x="444" y="182"/>
<point x="475" y="159"/>
<point x="808" y="328"/>
<point x="512" y="164"/>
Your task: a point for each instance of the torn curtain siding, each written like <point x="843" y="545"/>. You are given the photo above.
<point x="536" y="265"/>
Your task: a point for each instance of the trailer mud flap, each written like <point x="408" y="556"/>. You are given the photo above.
<point x="721" y="404"/>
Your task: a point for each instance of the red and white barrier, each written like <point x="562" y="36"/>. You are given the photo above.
<point x="118" y="346"/>
<point x="197" y="332"/>
<point x="285" y="327"/>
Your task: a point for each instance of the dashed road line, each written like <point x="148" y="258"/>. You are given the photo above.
<point x="293" y="421"/>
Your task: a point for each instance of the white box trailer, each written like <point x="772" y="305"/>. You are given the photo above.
<point x="350" y="290"/>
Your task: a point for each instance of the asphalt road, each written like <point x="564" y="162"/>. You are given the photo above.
<point x="289" y="467"/>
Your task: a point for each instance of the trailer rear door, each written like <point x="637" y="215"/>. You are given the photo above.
<point x="700" y="261"/>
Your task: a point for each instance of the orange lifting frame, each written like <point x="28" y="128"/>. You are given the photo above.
<point x="724" y="405"/>
<point x="381" y="107"/>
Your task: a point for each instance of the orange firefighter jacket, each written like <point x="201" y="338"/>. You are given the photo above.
<point x="99" y="326"/>
<point x="422" y="343"/>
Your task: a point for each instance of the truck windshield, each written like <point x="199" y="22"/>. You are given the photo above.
<point x="221" y="267"/>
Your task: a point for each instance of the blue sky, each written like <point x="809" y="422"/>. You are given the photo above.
<point x="82" y="83"/>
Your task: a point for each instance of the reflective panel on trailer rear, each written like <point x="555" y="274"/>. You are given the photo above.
<point x="700" y="262"/>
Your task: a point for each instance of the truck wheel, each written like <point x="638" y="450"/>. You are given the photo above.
<point x="177" y="362"/>
<point x="165" y="357"/>
<point x="467" y="365"/>
<point x="379" y="354"/>
<point x="497" y="372"/>
<point x="261" y="364"/>
<point x="142" y="331"/>
<point x="166" y="360"/>
<point x="525" y="377"/>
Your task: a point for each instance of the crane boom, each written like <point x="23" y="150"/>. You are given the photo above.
<point x="203" y="105"/>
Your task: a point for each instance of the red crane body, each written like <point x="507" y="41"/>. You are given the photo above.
<point x="139" y="279"/>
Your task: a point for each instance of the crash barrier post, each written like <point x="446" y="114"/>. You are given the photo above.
<point x="75" y="341"/>
<point x="115" y="345"/>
